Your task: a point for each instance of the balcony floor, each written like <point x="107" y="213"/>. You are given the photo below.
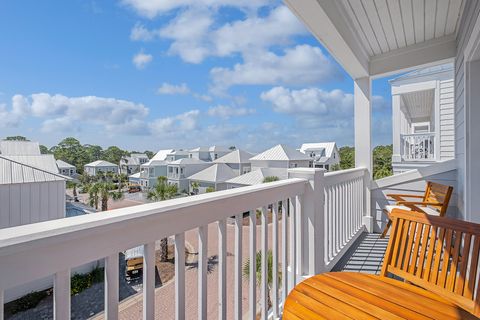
<point x="365" y="255"/>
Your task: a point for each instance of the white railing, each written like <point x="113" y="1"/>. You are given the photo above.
<point x="324" y="217"/>
<point x="344" y="208"/>
<point x="418" y="146"/>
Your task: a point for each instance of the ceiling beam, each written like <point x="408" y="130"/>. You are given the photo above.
<point x="425" y="54"/>
<point x="326" y="21"/>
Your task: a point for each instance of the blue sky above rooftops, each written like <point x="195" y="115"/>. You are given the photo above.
<point x="145" y="74"/>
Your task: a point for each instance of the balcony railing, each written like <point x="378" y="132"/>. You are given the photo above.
<point x="418" y="146"/>
<point x="324" y="216"/>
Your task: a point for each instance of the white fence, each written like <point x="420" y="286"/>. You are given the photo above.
<point x="418" y="146"/>
<point x="314" y="235"/>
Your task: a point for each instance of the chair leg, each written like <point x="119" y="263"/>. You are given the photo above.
<point x="384" y="233"/>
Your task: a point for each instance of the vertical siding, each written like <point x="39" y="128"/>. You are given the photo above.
<point x="31" y="202"/>
<point x="447" y="126"/>
<point x="471" y="12"/>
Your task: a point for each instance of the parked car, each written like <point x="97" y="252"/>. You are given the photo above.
<point x="134" y="262"/>
<point x="134" y="189"/>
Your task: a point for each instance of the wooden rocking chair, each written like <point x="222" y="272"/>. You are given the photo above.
<point x="433" y="202"/>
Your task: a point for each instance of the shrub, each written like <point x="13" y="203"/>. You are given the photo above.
<point x="28" y="301"/>
<point x="80" y="282"/>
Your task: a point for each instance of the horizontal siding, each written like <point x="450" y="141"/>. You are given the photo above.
<point x="447" y="116"/>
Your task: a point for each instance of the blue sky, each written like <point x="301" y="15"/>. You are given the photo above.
<point x="146" y="74"/>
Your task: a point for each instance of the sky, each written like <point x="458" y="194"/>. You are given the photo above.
<point x="152" y="74"/>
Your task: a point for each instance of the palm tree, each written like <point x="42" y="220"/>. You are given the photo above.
<point x="195" y="186"/>
<point x="73" y="185"/>
<point x="163" y="191"/>
<point x="258" y="272"/>
<point x="270" y="179"/>
<point x="101" y="192"/>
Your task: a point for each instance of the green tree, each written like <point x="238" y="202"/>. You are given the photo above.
<point x="195" y="186"/>
<point x="270" y="179"/>
<point x="382" y="161"/>
<point x="71" y="151"/>
<point x="113" y="154"/>
<point x="16" y="138"/>
<point x="93" y="152"/>
<point x="44" y="149"/>
<point x="149" y="154"/>
<point x="101" y="192"/>
<point x="163" y="191"/>
<point x="258" y="272"/>
<point x="210" y="189"/>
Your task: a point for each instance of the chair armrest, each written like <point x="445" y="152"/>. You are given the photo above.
<point x="421" y="203"/>
<point x="404" y="196"/>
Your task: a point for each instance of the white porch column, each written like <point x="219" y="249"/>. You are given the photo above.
<point x="312" y="206"/>
<point x="396" y="127"/>
<point x="363" y="140"/>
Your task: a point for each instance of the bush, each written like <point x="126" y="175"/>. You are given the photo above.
<point x="28" y="301"/>
<point x="80" y="282"/>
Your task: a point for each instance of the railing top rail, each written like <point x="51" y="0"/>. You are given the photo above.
<point x="417" y="134"/>
<point x="337" y="177"/>
<point x="37" y="250"/>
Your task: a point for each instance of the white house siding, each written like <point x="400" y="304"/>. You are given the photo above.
<point x="26" y="203"/>
<point x="416" y="186"/>
<point x="447" y="127"/>
<point x="280" y="164"/>
<point x="471" y="12"/>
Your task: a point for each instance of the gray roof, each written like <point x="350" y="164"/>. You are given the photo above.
<point x="217" y="173"/>
<point x="12" y="171"/>
<point x="424" y="74"/>
<point x="43" y="161"/>
<point x="327" y="146"/>
<point x="133" y="159"/>
<point x="64" y="165"/>
<point x="256" y="176"/>
<point x="281" y="152"/>
<point x="188" y="161"/>
<point x="100" y="163"/>
<point x="236" y="156"/>
<point x="19" y="148"/>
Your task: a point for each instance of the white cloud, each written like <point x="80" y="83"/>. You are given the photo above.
<point x="167" y="88"/>
<point x="203" y="97"/>
<point x="226" y="112"/>
<point x="300" y="65"/>
<point x="175" y="125"/>
<point x="152" y="8"/>
<point x="141" y="60"/>
<point x="140" y="33"/>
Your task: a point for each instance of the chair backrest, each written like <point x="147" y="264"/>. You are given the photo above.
<point x="438" y="254"/>
<point x="436" y="192"/>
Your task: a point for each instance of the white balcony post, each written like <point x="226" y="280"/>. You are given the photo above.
<point x="363" y="141"/>
<point x="396" y="128"/>
<point x="61" y="295"/>
<point x="313" y="219"/>
<point x="111" y="287"/>
<point x="1" y="304"/>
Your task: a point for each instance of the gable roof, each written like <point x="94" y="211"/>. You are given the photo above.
<point x="327" y="146"/>
<point x="19" y="148"/>
<point x="217" y="173"/>
<point x="257" y="176"/>
<point x="162" y="154"/>
<point x="12" y="171"/>
<point x="281" y="152"/>
<point x="64" y="165"/>
<point x="42" y="161"/>
<point x="188" y="161"/>
<point x="100" y="163"/>
<point x="236" y="156"/>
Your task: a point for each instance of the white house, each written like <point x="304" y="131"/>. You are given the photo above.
<point x="95" y="167"/>
<point x="157" y="166"/>
<point x="178" y="171"/>
<point x="66" y="169"/>
<point x="423" y="118"/>
<point x="212" y="177"/>
<point x="238" y="160"/>
<point x="281" y="156"/>
<point x="208" y="153"/>
<point x="131" y="164"/>
<point x="256" y="176"/>
<point x="323" y="154"/>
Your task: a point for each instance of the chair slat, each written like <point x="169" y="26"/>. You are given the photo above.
<point x="455" y="258"/>
<point x="398" y="239"/>
<point x="438" y="256"/>
<point x="472" y="277"/>
<point x="446" y="258"/>
<point x="409" y="258"/>
<point x="463" y="265"/>
<point x="403" y="243"/>
<point x="424" y="245"/>
<point x="431" y="246"/>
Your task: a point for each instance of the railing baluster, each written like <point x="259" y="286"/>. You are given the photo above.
<point x="293" y="245"/>
<point x="149" y="281"/>
<point x="238" y="267"/>
<point x="180" y="276"/>
<point x="1" y="304"/>
<point x="222" y="269"/>
<point x="275" y="259"/>
<point x="299" y="236"/>
<point x="61" y="295"/>
<point x="331" y="240"/>
<point x="264" y="270"/>
<point x="284" y="251"/>
<point x="202" y="271"/>
<point x="253" y="265"/>
<point x="111" y="287"/>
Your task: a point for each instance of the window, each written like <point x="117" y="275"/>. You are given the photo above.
<point x="326" y="166"/>
<point x="215" y="156"/>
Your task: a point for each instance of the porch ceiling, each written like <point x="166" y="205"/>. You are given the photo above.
<point x="379" y="37"/>
<point x="419" y="104"/>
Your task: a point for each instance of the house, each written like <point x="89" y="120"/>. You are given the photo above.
<point x="208" y="153"/>
<point x="238" y="160"/>
<point x="323" y="154"/>
<point x="255" y="177"/>
<point x="178" y="171"/>
<point x="211" y="177"/>
<point x="66" y="169"/>
<point x="157" y="166"/>
<point x="131" y="164"/>
<point x="98" y="166"/>
<point x="423" y="115"/>
<point x="281" y="156"/>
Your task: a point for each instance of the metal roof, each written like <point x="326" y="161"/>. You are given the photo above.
<point x="327" y="146"/>
<point x="188" y="161"/>
<point x="12" y="171"/>
<point x="64" y="165"/>
<point x="281" y="152"/>
<point x="43" y="161"/>
<point x="257" y="176"/>
<point x="100" y="163"/>
<point x="19" y="148"/>
<point x="236" y="156"/>
<point x="217" y="173"/>
<point x="162" y="154"/>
